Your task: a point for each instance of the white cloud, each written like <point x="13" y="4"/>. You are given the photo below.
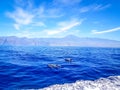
<point x="26" y="14"/>
<point x="67" y="2"/>
<point x="27" y="4"/>
<point x="21" y="17"/>
<point x="39" y="24"/>
<point x="64" y="26"/>
<point x="84" y="9"/>
<point x="43" y="12"/>
<point x="101" y="7"/>
<point x="17" y="26"/>
<point x="105" y="31"/>
<point x="96" y="7"/>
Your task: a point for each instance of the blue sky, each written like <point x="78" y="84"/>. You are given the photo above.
<point x="59" y="18"/>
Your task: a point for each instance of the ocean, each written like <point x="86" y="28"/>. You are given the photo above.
<point x="27" y="67"/>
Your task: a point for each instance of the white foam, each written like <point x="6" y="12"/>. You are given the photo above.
<point x="110" y="83"/>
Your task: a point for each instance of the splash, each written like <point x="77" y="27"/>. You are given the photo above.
<point x="110" y="83"/>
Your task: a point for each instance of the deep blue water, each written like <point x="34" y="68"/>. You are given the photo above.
<point x="26" y="67"/>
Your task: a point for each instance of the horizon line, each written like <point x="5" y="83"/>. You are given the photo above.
<point x="58" y="37"/>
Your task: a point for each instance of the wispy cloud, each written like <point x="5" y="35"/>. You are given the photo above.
<point x="17" y="26"/>
<point x="95" y="7"/>
<point x="21" y="17"/>
<point x="101" y="7"/>
<point x="67" y="2"/>
<point x="43" y="12"/>
<point x="105" y="31"/>
<point x="38" y="24"/>
<point x="25" y="14"/>
<point x="64" y="26"/>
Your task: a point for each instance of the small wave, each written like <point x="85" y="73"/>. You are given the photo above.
<point x="110" y="83"/>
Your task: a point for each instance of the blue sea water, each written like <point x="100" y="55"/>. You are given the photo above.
<point x="27" y="67"/>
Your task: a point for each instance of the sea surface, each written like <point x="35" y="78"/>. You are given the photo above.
<point x="90" y="69"/>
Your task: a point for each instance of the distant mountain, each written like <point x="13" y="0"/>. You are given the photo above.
<point x="66" y="41"/>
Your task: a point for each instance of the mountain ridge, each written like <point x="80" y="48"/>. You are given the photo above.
<point x="70" y="40"/>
